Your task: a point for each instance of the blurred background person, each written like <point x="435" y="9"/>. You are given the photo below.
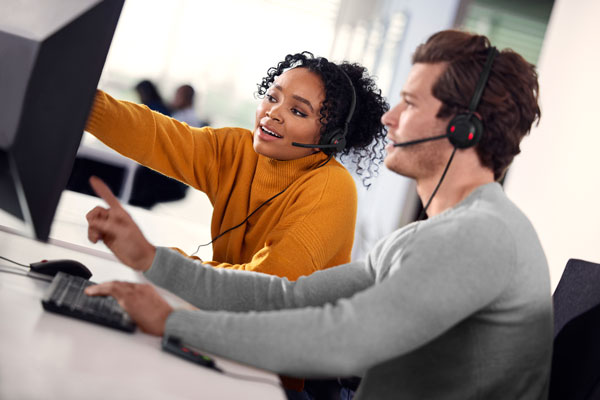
<point x="151" y="187"/>
<point x="149" y="95"/>
<point x="183" y="107"/>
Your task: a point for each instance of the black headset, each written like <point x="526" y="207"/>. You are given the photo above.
<point x="336" y="139"/>
<point x="465" y="129"/>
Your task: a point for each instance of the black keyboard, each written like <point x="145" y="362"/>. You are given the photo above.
<point x="65" y="296"/>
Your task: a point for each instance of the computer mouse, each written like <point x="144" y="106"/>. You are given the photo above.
<point x="51" y="267"/>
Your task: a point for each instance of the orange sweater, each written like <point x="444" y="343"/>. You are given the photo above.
<point x="308" y="227"/>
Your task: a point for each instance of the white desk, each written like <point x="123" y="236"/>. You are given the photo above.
<point x="94" y="149"/>
<point x="44" y="355"/>
<point x="69" y="228"/>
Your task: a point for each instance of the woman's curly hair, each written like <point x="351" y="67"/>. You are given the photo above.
<point x="365" y="136"/>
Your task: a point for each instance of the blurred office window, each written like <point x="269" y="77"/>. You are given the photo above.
<point x="222" y="48"/>
<point x="371" y="37"/>
<point x="516" y="24"/>
<point x="381" y="35"/>
<point x="388" y="38"/>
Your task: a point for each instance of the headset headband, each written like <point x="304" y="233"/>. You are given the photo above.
<point x="485" y="73"/>
<point x="353" y="101"/>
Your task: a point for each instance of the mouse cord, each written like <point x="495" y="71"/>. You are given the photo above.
<point x="14" y="262"/>
<point x="19" y="272"/>
<point x="253" y="212"/>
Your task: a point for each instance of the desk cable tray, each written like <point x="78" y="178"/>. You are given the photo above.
<point x="65" y="296"/>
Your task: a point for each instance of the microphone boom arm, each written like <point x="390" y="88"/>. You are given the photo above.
<point x="410" y="143"/>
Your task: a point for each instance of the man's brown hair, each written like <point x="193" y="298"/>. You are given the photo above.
<point x="509" y="105"/>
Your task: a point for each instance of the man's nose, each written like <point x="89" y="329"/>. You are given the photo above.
<point x="390" y="118"/>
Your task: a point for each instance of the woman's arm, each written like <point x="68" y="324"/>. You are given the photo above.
<point x="190" y="155"/>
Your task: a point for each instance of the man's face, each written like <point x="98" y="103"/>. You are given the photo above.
<point x="181" y="99"/>
<point x="415" y="118"/>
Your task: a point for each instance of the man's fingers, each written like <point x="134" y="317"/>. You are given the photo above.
<point x="99" y="224"/>
<point x="115" y="288"/>
<point x="125" y="293"/>
<point x="101" y="221"/>
<point x="141" y="301"/>
<point x="97" y="213"/>
<point x="103" y="289"/>
<point x="104" y="192"/>
<point x="94" y="235"/>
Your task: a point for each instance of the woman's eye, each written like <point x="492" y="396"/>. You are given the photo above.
<point x="270" y="98"/>
<point x="298" y="112"/>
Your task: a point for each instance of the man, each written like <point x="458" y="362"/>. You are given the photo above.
<point x="456" y="307"/>
<point x="183" y="106"/>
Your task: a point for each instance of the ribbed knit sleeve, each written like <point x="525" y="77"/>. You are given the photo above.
<point x="194" y="156"/>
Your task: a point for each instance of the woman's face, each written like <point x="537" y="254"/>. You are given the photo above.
<point x="290" y="112"/>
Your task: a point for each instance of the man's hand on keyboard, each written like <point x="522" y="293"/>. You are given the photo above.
<point x="115" y="227"/>
<point x="141" y="301"/>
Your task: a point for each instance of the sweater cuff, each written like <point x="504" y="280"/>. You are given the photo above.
<point x="97" y="112"/>
<point x="159" y="269"/>
<point x="178" y="325"/>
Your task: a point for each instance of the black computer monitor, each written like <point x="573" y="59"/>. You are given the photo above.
<point x="51" y="57"/>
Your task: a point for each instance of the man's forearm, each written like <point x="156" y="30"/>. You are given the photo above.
<point x="222" y="289"/>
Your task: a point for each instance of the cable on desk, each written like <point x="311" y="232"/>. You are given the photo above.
<point x="248" y="378"/>
<point x="14" y="262"/>
<point x="37" y="276"/>
<point x="174" y="345"/>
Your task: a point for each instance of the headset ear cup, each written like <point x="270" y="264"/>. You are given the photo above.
<point x="339" y="140"/>
<point x="464" y="130"/>
<point x="336" y="137"/>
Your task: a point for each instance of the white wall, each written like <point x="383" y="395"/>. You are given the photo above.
<point x="380" y="208"/>
<point x="556" y="179"/>
<point x="223" y="48"/>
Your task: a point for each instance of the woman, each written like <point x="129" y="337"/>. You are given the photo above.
<point x="282" y="204"/>
<point x="279" y="208"/>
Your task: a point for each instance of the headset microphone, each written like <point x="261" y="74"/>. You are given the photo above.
<point x="411" y="142"/>
<point x="465" y="129"/>
<point x="337" y="138"/>
<point x="318" y="146"/>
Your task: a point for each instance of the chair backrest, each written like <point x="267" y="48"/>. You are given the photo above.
<point x="576" y="357"/>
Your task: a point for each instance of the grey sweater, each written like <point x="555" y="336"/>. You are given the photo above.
<point x="454" y="307"/>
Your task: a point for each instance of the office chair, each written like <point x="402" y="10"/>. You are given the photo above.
<point x="575" y="370"/>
